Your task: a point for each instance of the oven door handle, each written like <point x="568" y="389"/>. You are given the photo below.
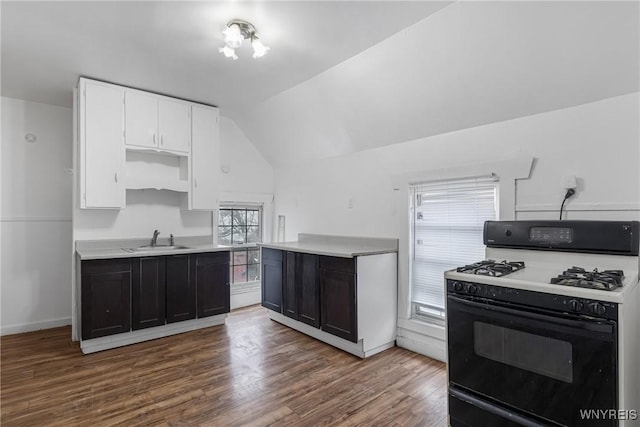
<point x="585" y="325"/>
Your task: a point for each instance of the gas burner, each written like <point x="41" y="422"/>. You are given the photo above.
<point x="492" y="268"/>
<point x="606" y="280"/>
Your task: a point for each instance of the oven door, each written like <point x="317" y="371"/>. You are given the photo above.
<point x="540" y="363"/>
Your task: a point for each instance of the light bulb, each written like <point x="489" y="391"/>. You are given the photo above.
<point x="233" y="36"/>
<point x="259" y="50"/>
<point x="228" y="52"/>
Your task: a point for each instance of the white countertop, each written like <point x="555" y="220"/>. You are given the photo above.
<point x="338" y="246"/>
<point x="108" y="249"/>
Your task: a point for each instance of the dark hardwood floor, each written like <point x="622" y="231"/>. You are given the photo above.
<point x="250" y="372"/>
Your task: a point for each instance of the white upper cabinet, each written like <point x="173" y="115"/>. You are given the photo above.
<point x="174" y="125"/>
<point x="141" y="119"/>
<point x="157" y="122"/>
<point x="130" y="139"/>
<point x="101" y="108"/>
<point x="204" y="158"/>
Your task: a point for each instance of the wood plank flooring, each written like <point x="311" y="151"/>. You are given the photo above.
<point x="250" y="372"/>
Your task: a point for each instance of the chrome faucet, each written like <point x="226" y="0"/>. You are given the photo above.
<point x="154" y="239"/>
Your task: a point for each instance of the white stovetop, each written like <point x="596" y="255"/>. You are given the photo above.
<point x="541" y="266"/>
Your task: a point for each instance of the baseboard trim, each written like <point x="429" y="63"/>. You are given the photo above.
<point x="422" y="344"/>
<point x="133" y="337"/>
<point x="34" y="326"/>
<point x="357" y="349"/>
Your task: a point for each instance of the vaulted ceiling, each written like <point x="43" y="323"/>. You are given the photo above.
<point x="172" y="46"/>
<point x="341" y="76"/>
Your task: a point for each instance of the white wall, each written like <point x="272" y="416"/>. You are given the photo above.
<point x="353" y="194"/>
<point x="37" y="209"/>
<point x="36" y="216"/>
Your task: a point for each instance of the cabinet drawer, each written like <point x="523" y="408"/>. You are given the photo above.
<point x="213" y="258"/>
<point x="346" y="265"/>
<point x="103" y="266"/>
<point x="272" y="254"/>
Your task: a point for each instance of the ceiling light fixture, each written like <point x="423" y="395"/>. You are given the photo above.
<point x="238" y="30"/>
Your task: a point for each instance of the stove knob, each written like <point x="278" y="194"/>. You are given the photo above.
<point x="458" y="286"/>
<point x="575" y="305"/>
<point x="472" y="289"/>
<point x="597" y="308"/>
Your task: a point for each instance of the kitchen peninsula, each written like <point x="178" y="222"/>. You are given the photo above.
<point x="340" y="290"/>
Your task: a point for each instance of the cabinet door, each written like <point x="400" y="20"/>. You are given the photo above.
<point x="105" y="297"/>
<point x="148" y="292"/>
<point x="141" y="119"/>
<point x="174" y="123"/>
<point x="205" y="161"/>
<point x="290" y="285"/>
<point x="272" y="279"/>
<point x="212" y="283"/>
<point x="338" y="297"/>
<point x="101" y="145"/>
<point x="308" y="289"/>
<point x="181" y="289"/>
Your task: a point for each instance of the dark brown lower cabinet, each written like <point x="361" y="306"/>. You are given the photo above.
<point x="317" y="290"/>
<point x="301" y="294"/>
<point x="105" y="297"/>
<point x="211" y="273"/>
<point x="148" y="292"/>
<point x="120" y="295"/>
<point x="181" y="289"/>
<point x="272" y="278"/>
<point x="338" y="297"/>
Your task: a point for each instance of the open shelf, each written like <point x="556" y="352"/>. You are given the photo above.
<point x="147" y="169"/>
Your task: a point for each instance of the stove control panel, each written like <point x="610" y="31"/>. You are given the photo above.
<point x="533" y="299"/>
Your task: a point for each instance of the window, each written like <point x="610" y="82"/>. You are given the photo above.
<point x="446" y="232"/>
<point x="242" y="226"/>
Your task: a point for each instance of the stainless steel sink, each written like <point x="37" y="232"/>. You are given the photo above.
<point x="156" y="248"/>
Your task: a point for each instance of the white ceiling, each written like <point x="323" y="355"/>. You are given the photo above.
<point x="172" y="46"/>
<point x="341" y="76"/>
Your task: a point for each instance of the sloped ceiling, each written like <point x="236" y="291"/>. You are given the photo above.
<point x="341" y="76"/>
<point x="172" y="46"/>
<point x="469" y="64"/>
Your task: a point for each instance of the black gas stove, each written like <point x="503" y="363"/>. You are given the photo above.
<point x="510" y="337"/>
<point x="606" y="280"/>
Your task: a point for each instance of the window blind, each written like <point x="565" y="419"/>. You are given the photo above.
<point x="446" y="232"/>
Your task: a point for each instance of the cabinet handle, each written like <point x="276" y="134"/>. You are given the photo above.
<point x="116" y="176"/>
<point x="154" y="139"/>
<point x="161" y="139"/>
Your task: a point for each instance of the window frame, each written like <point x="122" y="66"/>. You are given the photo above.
<point x="421" y="311"/>
<point x="246" y="247"/>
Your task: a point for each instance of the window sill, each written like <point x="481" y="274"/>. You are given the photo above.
<point x="425" y="328"/>
<point x="243" y="288"/>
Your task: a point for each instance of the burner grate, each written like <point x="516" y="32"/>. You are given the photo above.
<point x="606" y="280"/>
<point x="491" y="268"/>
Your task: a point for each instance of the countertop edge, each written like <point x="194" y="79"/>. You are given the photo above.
<point x="113" y="253"/>
<point x="326" y="252"/>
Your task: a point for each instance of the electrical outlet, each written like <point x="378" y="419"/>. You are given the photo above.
<point x="569" y="182"/>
